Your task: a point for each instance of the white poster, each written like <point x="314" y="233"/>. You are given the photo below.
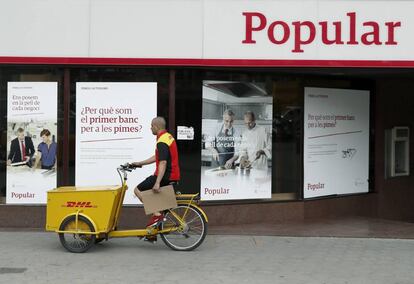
<point x="236" y="150"/>
<point x="336" y="142"/>
<point x="31" y="141"/>
<point x="113" y="123"/>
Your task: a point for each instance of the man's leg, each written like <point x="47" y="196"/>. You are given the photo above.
<point x="137" y="193"/>
<point x="148" y="184"/>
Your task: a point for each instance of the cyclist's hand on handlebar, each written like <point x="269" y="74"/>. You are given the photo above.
<point x="136" y="165"/>
<point x="126" y="167"/>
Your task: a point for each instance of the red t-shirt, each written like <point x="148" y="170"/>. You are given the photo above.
<point x="166" y="150"/>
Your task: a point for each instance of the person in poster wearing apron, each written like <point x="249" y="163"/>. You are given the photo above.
<point x="225" y="141"/>
<point x="255" y="147"/>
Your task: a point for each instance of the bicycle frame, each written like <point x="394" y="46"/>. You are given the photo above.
<point x="183" y="199"/>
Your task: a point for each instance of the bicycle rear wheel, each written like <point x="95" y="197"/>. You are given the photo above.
<point x="187" y="236"/>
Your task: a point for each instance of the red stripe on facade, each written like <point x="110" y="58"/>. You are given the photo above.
<point x="206" y="62"/>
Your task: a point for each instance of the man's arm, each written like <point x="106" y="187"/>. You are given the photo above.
<point x="211" y="142"/>
<point x="267" y="145"/>
<point x="163" y="157"/>
<point x="55" y="164"/>
<point x="162" y="166"/>
<point x="12" y="151"/>
<point x="38" y="157"/>
<point x="145" y="162"/>
<point x="210" y="145"/>
<point x="237" y="146"/>
<point x="244" y="144"/>
<point x="30" y="146"/>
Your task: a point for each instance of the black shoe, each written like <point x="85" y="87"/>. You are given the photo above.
<point x="150" y="239"/>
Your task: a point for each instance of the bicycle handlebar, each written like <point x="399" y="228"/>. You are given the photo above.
<point x="128" y="167"/>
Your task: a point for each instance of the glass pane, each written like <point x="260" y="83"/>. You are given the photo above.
<point x="401" y="156"/>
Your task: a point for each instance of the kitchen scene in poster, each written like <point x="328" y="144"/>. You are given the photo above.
<point x="236" y="141"/>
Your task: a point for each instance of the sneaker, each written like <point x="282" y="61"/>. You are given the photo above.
<point x="150" y="239"/>
<point x="155" y="220"/>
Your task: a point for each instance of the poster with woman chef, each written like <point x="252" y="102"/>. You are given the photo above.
<point x="236" y="141"/>
<point x="113" y="127"/>
<point x="31" y="141"/>
<point x="336" y="142"/>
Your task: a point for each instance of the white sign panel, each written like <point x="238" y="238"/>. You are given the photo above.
<point x="31" y="157"/>
<point x="185" y="133"/>
<point x="236" y="153"/>
<point x="112" y="128"/>
<point x="309" y="30"/>
<point x="336" y="146"/>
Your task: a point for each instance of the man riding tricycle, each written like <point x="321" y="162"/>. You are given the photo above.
<point x="83" y="216"/>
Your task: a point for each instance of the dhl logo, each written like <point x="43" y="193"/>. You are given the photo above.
<point x="79" y="204"/>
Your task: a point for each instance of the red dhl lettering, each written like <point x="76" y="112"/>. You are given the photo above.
<point x="81" y="204"/>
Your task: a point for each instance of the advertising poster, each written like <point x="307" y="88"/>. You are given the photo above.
<point x="31" y="141"/>
<point x="113" y="122"/>
<point x="236" y="150"/>
<point x="336" y="142"/>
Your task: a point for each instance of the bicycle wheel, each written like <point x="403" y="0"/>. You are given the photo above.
<point x="188" y="236"/>
<point x="99" y="240"/>
<point x="77" y="242"/>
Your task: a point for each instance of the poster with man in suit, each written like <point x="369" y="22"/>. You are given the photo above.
<point x="31" y="110"/>
<point x="21" y="149"/>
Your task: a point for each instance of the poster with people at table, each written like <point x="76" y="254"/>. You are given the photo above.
<point x="236" y="152"/>
<point x="31" y="141"/>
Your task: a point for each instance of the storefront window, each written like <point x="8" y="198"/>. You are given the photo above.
<point x="274" y="96"/>
<point x="287" y="142"/>
<point x="276" y="102"/>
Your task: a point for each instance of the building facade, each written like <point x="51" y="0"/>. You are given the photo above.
<point x="328" y="83"/>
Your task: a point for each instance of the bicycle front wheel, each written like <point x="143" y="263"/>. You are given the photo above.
<point x="77" y="242"/>
<point x="184" y="236"/>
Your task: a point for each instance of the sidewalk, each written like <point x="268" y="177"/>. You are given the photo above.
<point x="358" y="227"/>
<point x="38" y="257"/>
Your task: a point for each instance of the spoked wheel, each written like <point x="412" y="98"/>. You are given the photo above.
<point x="187" y="236"/>
<point x="77" y="242"/>
<point x="99" y="240"/>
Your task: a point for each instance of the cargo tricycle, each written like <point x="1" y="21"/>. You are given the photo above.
<point x="84" y="216"/>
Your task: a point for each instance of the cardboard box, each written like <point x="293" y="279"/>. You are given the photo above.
<point x="155" y="202"/>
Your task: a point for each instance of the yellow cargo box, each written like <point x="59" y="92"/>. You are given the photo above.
<point x="99" y="204"/>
